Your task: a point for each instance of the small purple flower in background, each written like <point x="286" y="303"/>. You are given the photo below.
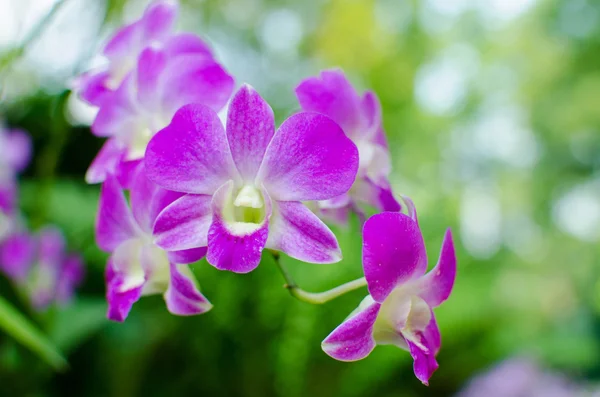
<point x="360" y="118"/>
<point x="40" y="265"/>
<point x="15" y="153"/>
<point x="245" y="184"/>
<point x="398" y="310"/>
<point x="137" y="267"/>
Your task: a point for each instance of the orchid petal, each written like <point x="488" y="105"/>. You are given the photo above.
<point x="186" y="43"/>
<point x="235" y="246"/>
<point x="353" y="339"/>
<point x="8" y="196"/>
<point x="114" y="221"/>
<point x="17" y="256"/>
<point x="91" y="86"/>
<point x="378" y="196"/>
<point x="393" y="252"/>
<point x="158" y="19"/>
<point x="437" y="284"/>
<point x="71" y="276"/>
<point x="372" y="111"/>
<point x="184" y="224"/>
<point x="119" y="300"/>
<point x="17" y="149"/>
<point x="309" y="158"/>
<point x="106" y="162"/>
<point x="119" y="116"/>
<point x="191" y="154"/>
<point x="186" y="256"/>
<point x="425" y="363"/>
<point x="250" y="128"/>
<point x="332" y="95"/>
<point x="299" y="233"/>
<point x="183" y="297"/>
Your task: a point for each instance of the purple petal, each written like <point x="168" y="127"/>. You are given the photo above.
<point x="158" y="19"/>
<point x="186" y="43"/>
<point x="118" y="116"/>
<point x="437" y="284"/>
<point x="194" y="78"/>
<point x="106" y="162"/>
<point x="233" y="247"/>
<point x="184" y="224"/>
<point x="183" y="297"/>
<point x="338" y="216"/>
<point x="91" y="86"/>
<point x="372" y="111"/>
<point x="250" y="128"/>
<point x="150" y="66"/>
<point x="148" y="199"/>
<point x="17" y="149"/>
<point x="299" y="233"/>
<point x="333" y="95"/>
<point x="119" y="300"/>
<point x="8" y="196"/>
<point x="378" y="196"/>
<point x="353" y="339"/>
<point x="187" y="256"/>
<point x="410" y="208"/>
<point x="393" y="252"/>
<point x="17" y="253"/>
<point x="425" y="363"/>
<point x="114" y="221"/>
<point x="191" y="154"/>
<point x="52" y="246"/>
<point x="71" y="276"/>
<point x="309" y="158"/>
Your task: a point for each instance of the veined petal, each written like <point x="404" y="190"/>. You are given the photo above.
<point x="187" y="256"/>
<point x="184" y="224"/>
<point x="120" y="300"/>
<point x="353" y="339"/>
<point x="194" y="78"/>
<point x="114" y="221"/>
<point x="250" y="128"/>
<point x="299" y="233"/>
<point x="309" y="158"/>
<point x="333" y="95"/>
<point x="393" y="252"/>
<point x="437" y="284"/>
<point x="183" y="297"/>
<point x="235" y="246"/>
<point x="148" y="199"/>
<point x="191" y="154"/>
<point x="425" y="363"/>
<point x="16" y="256"/>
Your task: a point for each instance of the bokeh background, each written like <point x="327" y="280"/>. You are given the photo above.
<point x="492" y="110"/>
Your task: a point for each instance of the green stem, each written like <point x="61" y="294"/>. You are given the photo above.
<point x="316" y="298"/>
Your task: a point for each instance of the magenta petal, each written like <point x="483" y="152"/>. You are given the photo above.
<point x="425" y="363"/>
<point x="119" y="302"/>
<point x="410" y="208"/>
<point x="187" y="256"/>
<point x="353" y="339"/>
<point x="183" y="297"/>
<point x="114" y="221"/>
<point x="17" y="255"/>
<point x="158" y="19"/>
<point x="238" y="251"/>
<point x="119" y="115"/>
<point x="437" y="284"/>
<point x="186" y="43"/>
<point x="393" y="252"/>
<point x="91" y="86"/>
<point x="106" y="162"/>
<point x="309" y="158"/>
<point x="148" y="199"/>
<point x="150" y="66"/>
<point x="331" y="94"/>
<point x="17" y="149"/>
<point x="184" y="224"/>
<point x="8" y="196"/>
<point x="191" y="154"/>
<point x="194" y="78"/>
<point x="250" y="127"/>
<point x="372" y="110"/>
<point x="299" y="233"/>
<point x="378" y="196"/>
<point x="71" y="276"/>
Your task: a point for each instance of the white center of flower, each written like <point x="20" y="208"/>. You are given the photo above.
<point x="245" y="210"/>
<point x="249" y="196"/>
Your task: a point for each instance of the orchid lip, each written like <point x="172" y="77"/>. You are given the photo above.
<point x="246" y="213"/>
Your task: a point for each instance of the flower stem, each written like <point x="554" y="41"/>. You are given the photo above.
<point x="316" y="298"/>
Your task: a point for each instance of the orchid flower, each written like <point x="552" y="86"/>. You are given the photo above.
<point x="154" y="28"/>
<point x="146" y="101"/>
<point x="360" y="118"/>
<point x="41" y="266"/>
<point x="137" y="267"/>
<point x="245" y="183"/>
<point x="398" y="310"/>
<point x="15" y="153"/>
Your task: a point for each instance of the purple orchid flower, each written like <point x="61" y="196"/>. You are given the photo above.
<point x="40" y="265"/>
<point x="15" y="153"/>
<point x="146" y="101"/>
<point x="245" y="184"/>
<point x="360" y="118"/>
<point x="154" y="28"/>
<point x="137" y="267"/>
<point x="398" y="310"/>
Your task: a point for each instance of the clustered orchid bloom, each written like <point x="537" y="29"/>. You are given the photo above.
<point x="200" y="187"/>
<point x="398" y="310"/>
<point x="360" y="117"/>
<point x="40" y="265"/>
<point x="137" y="266"/>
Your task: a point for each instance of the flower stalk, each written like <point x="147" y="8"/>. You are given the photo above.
<point x="315" y="298"/>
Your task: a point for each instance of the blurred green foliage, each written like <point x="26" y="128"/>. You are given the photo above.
<point x="532" y="289"/>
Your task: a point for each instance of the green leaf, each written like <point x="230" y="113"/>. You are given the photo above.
<point x="16" y="325"/>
